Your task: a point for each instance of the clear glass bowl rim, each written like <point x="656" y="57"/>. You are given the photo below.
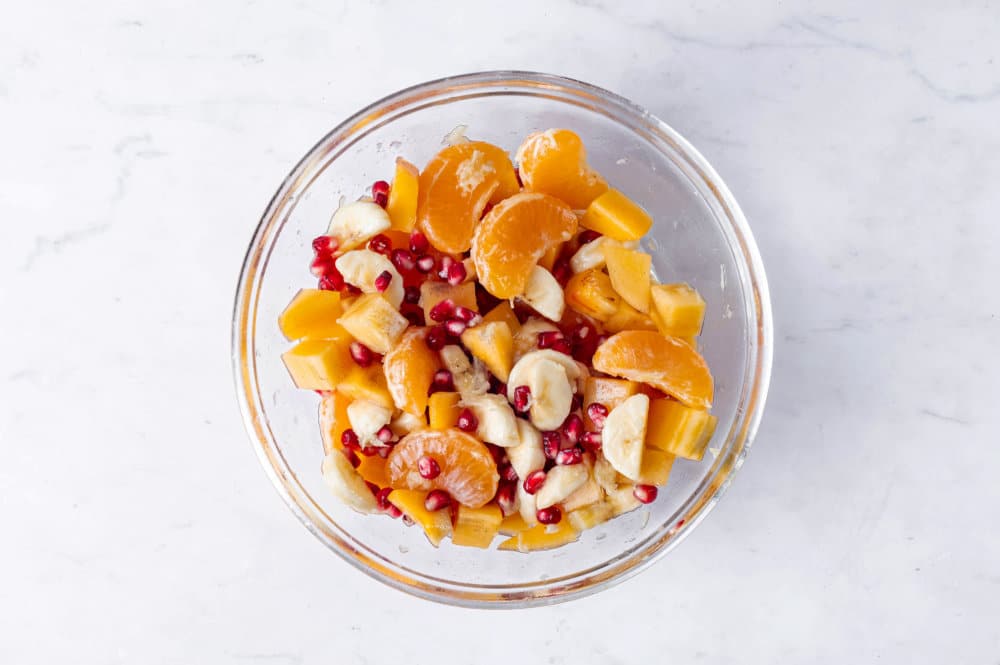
<point x="657" y="543"/>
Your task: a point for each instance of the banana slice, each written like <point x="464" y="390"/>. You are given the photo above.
<point x="551" y="376"/>
<point x="347" y="484"/>
<point x="526" y="506"/>
<point x="560" y="482"/>
<point x="526" y="339"/>
<point x="361" y="267"/>
<point x="354" y="223"/>
<point x="624" y="433"/>
<point x="527" y="456"/>
<point x="497" y="423"/>
<point x="406" y="422"/>
<point x="366" y="419"/>
<point x="544" y="294"/>
<point x="469" y="378"/>
<point x="605" y="474"/>
<point x="591" y="255"/>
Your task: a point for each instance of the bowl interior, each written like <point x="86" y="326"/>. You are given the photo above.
<point x="697" y="238"/>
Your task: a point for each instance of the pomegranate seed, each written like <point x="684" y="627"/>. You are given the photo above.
<point x="551" y="443"/>
<point x="350" y="441"/>
<point x="467" y="421"/>
<point x="443" y="310"/>
<point x="370" y="451"/>
<point x="411" y="294"/>
<point x="547" y="338"/>
<point x="425" y="263"/>
<point x="455" y="327"/>
<point x="645" y="493"/>
<point x="352" y="457"/>
<point x="569" y="457"/>
<point x="498" y="454"/>
<point x="382" y="498"/>
<point x="588" y="236"/>
<point x="591" y="441"/>
<point x="383" y="451"/>
<point x="576" y="403"/>
<point x="436" y="338"/>
<point x="522" y="399"/>
<point x="325" y="244"/>
<point x="383" y="280"/>
<point x="372" y="487"/>
<point x="404" y="259"/>
<point x="412" y="313"/>
<point x="322" y="265"/>
<point x="332" y="282"/>
<point x="597" y="413"/>
<point x="446" y="263"/>
<point x="507" y="472"/>
<point x="497" y="387"/>
<point x="408" y="521"/>
<point x="465" y="314"/>
<point x="418" y="242"/>
<point x="562" y="346"/>
<point x="436" y="500"/>
<point x="428" y="468"/>
<point x="361" y="354"/>
<point x="456" y="273"/>
<point x="562" y="271"/>
<point x="380" y="192"/>
<point x="534" y="481"/>
<point x="507" y="498"/>
<point x="550" y="515"/>
<point x="443" y="380"/>
<point x="385" y="434"/>
<point x="393" y="512"/>
<point x="572" y="428"/>
<point x="380" y="244"/>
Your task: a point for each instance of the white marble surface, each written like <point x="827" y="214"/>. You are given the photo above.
<point x="139" y="143"/>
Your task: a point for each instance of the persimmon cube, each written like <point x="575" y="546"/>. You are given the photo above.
<point x="493" y="344"/>
<point x="436" y="524"/>
<point x="504" y="312"/>
<point x="656" y="466"/>
<point x="366" y="383"/>
<point x="476" y="527"/>
<point x="318" y="364"/>
<point x="678" y="309"/>
<point x="590" y="516"/>
<point x="312" y="314"/>
<point x="513" y="524"/>
<point x="402" y="205"/>
<point x="373" y="469"/>
<point x="629" y="270"/>
<point x="431" y="293"/>
<point x="629" y="318"/>
<point x="678" y="429"/>
<point x="548" y="259"/>
<point x="590" y="293"/>
<point x="539" y="538"/>
<point x="615" y="215"/>
<point x="443" y="410"/>
<point x="374" y="322"/>
<point x="607" y="391"/>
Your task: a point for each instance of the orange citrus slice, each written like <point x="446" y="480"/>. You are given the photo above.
<point x="409" y="371"/>
<point x="554" y="162"/>
<point x="468" y="471"/>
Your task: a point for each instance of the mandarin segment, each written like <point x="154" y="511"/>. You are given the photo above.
<point x="402" y="205"/>
<point x="554" y="162"/>
<point x="409" y="370"/>
<point x="468" y="472"/>
<point x="333" y="419"/>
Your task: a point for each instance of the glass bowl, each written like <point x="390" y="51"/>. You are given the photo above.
<point x="700" y="236"/>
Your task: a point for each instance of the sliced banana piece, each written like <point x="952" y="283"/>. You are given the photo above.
<point x="605" y="474"/>
<point x="544" y="294"/>
<point x="497" y="423"/>
<point x="469" y="378"/>
<point x="406" y="422"/>
<point x="354" y="223"/>
<point x="560" y="482"/>
<point x="366" y="419"/>
<point x="624" y="433"/>
<point x="526" y="339"/>
<point x="361" y="267"/>
<point x="527" y="456"/>
<point x="591" y="255"/>
<point x="552" y="377"/>
<point x="526" y="506"/>
<point x="347" y="484"/>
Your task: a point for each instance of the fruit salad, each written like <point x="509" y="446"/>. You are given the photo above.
<point x="492" y="353"/>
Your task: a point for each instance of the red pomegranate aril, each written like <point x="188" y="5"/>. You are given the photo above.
<point x="370" y="451"/>
<point x="322" y="265"/>
<point x="443" y="310"/>
<point x="645" y="493"/>
<point x="534" y="481"/>
<point x="446" y="264"/>
<point x="587" y="235"/>
<point x="382" y="498"/>
<point x="372" y="487"/>
<point x="562" y="346"/>
<point x="597" y="413"/>
<point x="411" y="295"/>
<point x="572" y="428"/>
<point x="383" y="451"/>
<point x="498" y="387"/>
<point x="455" y="327"/>
<point x="380" y="192"/>
<point x="428" y="467"/>
<point x="404" y="260"/>
<point x="325" y="244"/>
<point x="352" y="457"/>
<point x="522" y="399"/>
<point x="418" y="242"/>
<point x="380" y="244"/>
<point x="331" y="281"/>
<point x="436" y="500"/>
<point x="443" y="380"/>
<point x="569" y="456"/>
<point x="550" y="515"/>
<point x="349" y="439"/>
<point x="562" y="271"/>
<point x="591" y="441"/>
<point x="551" y="443"/>
<point x="412" y="313"/>
<point x="465" y="314"/>
<point x="425" y="263"/>
<point x="385" y="434"/>
<point x="507" y="472"/>
<point x="547" y="338"/>
<point x="456" y="273"/>
<point x="436" y="338"/>
<point x="361" y="354"/>
<point x="393" y="512"/>
<point x="507" y="498"/>
<point x="383" y="280"/>
<point x="576" y="403"/>
<point x="467" y="421"/>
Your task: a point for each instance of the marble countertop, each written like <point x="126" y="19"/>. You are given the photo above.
<point x="139" y="144"/>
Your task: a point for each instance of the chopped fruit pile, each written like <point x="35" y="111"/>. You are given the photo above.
<point x="492" y="353"/>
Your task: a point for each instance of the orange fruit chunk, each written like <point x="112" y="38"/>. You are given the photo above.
<point x="678" y="309"/>
<point x="616" y="216"/>
<point x="468" y="472"/>
<point x="402" y="204"/>
<point x="312" y="314"/>
<point x="656" y="466"/>
<point x="443" y="410"/>
<point x="436" y="524"/>
<point x="554" y="162"/>
<point x="493" y="344"/>
<point x="679" y="430"/>
<point x="629" y="271"/>
<point x="540" y="538"/>
<point x="319" y="364"/>
<point x="505" y="313"/>
<point x="409" y="370"/>
<point x="333" y="419"/>
<point x="627" y="317"/>
<point x="455" y="187"/>
<point x="590" y="293"/>
<point x="666" y="363"/>
<point x="514" y="235"/>
<point x="476" y="527"/>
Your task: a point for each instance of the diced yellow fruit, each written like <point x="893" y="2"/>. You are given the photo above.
<point x="374" y="322"/>
<point x="678" y="309"/>
<point x="588" y="493"/>
<point x="548" y="259"/>
<point x="615" y="215"/>
<point x="622" y="500"/>
<point x="318" y="364"/>
<point x="607" y="391"/>
<point x="443" y="410"/>
<point x="493" y="344"/>
<point x="476" y="527"/>
<point x="436" y="524"/>
<point x="373" y="469"/>
<point x="504" y="312"/>
<point x="431" y="293"/>
<point x="513" y="524"/>
<point x="678" y="429"/>
<point x="312" y="314"/>
<point x="629" y="318"/>
<point x="366" y="383"/>
<point x="590" y="292"/>
<point x="656" y="466"/>
<point x="402" y="205"/>
<point x="537" y="538"/>
<point x="629" y="270"/>
<point x="590" y="516"/>
<point x="333" y="419"/>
